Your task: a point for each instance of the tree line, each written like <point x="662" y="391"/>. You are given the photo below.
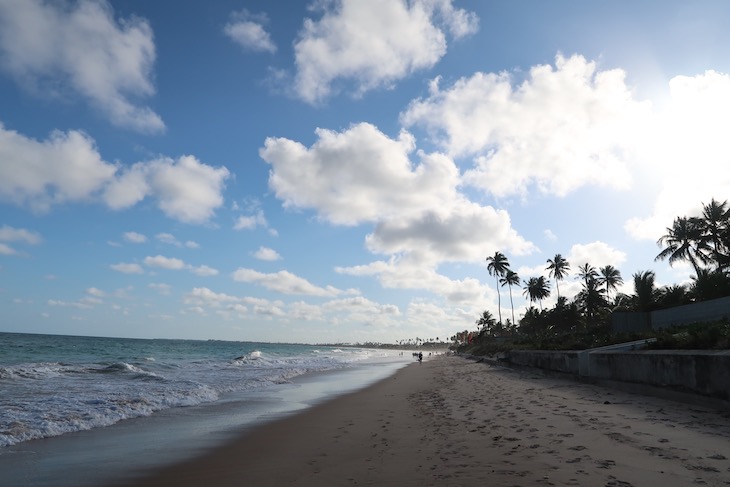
<point x="703" y="241"/>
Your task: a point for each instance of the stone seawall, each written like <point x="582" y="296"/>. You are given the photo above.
<point x="706" y="373"/>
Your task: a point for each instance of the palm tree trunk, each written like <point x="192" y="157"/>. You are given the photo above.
<point x="499" y="299"/>
<point x="512" y="304"/>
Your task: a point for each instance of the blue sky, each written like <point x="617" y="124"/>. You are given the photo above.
<point x="333" y="171"/>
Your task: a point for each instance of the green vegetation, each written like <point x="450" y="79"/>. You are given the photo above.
<point x="585" y="321"/>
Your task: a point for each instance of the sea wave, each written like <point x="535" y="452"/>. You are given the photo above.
<point x="116" y="379"/>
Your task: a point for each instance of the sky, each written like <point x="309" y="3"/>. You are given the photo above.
<point x="332" y="171"/>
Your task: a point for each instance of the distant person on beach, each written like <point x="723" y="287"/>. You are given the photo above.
<point x="420" y="357"/>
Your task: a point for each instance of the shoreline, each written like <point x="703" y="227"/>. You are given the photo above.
<point x="98" y="456"/>
<point x="451" y="421"/>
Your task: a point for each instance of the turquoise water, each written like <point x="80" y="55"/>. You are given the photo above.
<point x="83" y="410"/>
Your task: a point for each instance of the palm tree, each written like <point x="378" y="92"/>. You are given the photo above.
<point x="591" y="299"/>
<point x="611" y="277"/>
<point x="587" y="272"/>
<point x="497" y="266"/>
<point x="715" y="227"/>
<point x="644" y="291"/>
<point x="510" y="279"/>
<point x="558" y="269"/>
<point x="537" y="289"/>
<point x="683" y="242"/>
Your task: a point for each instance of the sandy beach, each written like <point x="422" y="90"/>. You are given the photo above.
<point x="455" y="422"/>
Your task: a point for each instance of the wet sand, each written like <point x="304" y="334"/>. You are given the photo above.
<point x="454" y="422"/>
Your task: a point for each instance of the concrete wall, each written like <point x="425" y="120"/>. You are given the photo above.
<point x="566" y="362"/>
<point x="712" y="310"/>
<point x="706" y="373"/>
<point x="628" y="322"/>
<point x="699" y="372"/>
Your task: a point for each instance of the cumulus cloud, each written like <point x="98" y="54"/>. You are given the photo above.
<point x="185" y="189"/>
<point x="161" y="288"/>
<point x="284" y="282"/>
<point x="163" y="262"/>
<point x="169" y="238"/>
<point x="127" y="268"/>
<point x="204" y="271"/>
<point x="202" y="296"/>
<point x="68" y="168"/>
<point x="454" y="234"/>
<point x="174" y="264"/>
<point x="561" y="128"/>
<point x="80" y="47"/>
<point x="65" y="168"/>
<point x="408" y="273"/>
<point x="249" y="222"/>
<point x="358" y="175"/>
<point x="265" y="253"/>
<point x="361" y="175"/>
<point x="597" y="254"/>
<point x="134" y="237"/>
<point x="373" y="43"/>
<point x="248" y="31"/>
<point x="689" y="130"/>
<point x="12" y="234"/>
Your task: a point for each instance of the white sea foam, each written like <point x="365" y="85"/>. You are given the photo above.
<point x="56" y="385"/>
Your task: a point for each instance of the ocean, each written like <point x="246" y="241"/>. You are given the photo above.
<point x="84" y="410"/>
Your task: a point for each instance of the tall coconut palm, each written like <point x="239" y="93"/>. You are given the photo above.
<point x="497" y="266"/>
<point x="591" y="299"/>
<point x="537" y="289"/>
<point x="586" y="272"/>
<point x="510" y="279"/>
<point x="558" y="269"/>
<point x="715" y="227"/>
<point x="611" y="278"/>
<point x="486" y="322"/>
<point x="644" y="291"/>
<point x="683" y="241"/>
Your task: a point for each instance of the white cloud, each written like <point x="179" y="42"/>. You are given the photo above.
<point x="70" y="304"/>
<point x="597" y="254"/>
<point x="163" y="262"/>
<point x="64" y="168"/>
<point x="186" y="189"/>
<point x="126" y="268"/>
<point x="358" y="175"/>
<point x="249" y="222"/>
<point x="361" y="175"/>
<point x="202" y="296"/>
<point x="558" y="130"/>
<point x="284" y="282"/>
<point x="690" y="130"/>
<point x="204" y="271"/>
<point x="460" y="233"/>
<point x="248" y="31"/>
<point x="169" y="238"/>
<point x="95" y="292"/>
<point x="81" y="47"/>
<point x="7" y="249"/>
<point x="134" y="237"/>
<point x="373" y="43"/>
<point x="162" y="288"/>
<point x="408" y="273"/>
<point x="11" y="234"/>
<point x="174" y="264"/>
<point x="68" y="168"/>
<point x="265" y="253"/>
